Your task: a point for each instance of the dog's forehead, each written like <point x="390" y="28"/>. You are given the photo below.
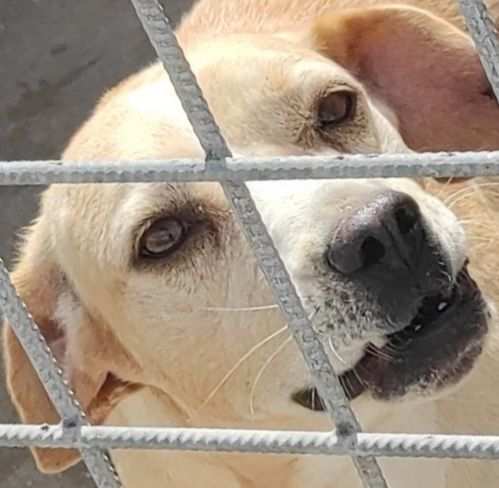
<point x="256" y="61"/>
<point x="271" y="91"/>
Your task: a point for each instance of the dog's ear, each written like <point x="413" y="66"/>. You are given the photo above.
<point x="425" y="69"/>
<point x="81" y="346"/>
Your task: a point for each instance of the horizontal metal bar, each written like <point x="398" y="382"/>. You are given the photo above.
<point x="442" y="165"/>
<point x="254" y="441"/>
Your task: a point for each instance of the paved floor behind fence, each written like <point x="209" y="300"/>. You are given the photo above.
<point x="56" y="59"/>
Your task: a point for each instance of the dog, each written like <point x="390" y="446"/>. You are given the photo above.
<point x="155" y="305"/>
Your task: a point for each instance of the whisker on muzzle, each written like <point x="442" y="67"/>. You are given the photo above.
<point x="382" y="353"/>
<point x="454" y="198"/>
<point x="334" y="351"/>
<point x="240" y="309"/>
<point x="262" y="370"/>
<point x="238" y="364"/>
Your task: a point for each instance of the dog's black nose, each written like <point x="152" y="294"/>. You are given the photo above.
<point x="384" y="252"/>
<point x="385" y="235"/>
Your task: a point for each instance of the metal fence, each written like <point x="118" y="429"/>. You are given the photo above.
<point x="219" y="165"/>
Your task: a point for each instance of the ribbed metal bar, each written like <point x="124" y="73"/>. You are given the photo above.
<point x="51" y="375"/>
<point x="254" y="441"/>
<point x="165" y="42"/>
<point x="484" y="34"/>
<point x="441" y="165"/>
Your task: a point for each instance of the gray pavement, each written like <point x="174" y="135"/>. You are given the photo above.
<point x="56" y="58"/>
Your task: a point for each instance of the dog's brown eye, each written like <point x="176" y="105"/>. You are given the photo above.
<point x="336" y="107"/>
<point x="162" y="238"/>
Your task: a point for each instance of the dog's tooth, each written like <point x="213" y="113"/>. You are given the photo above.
<point x="442" y="306"/>
<point x="417" y="327"/>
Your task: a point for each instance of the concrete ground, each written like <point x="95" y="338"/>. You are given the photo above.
<point x="56" y="59"/>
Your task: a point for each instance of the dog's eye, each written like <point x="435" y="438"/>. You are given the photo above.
<point x="162" y="238"/>
<point x="336" y="108"/>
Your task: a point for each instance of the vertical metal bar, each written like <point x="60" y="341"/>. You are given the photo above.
<point x="484" y="34"/>
<point x="161" y="35"/>
<point x="51" y="376"/>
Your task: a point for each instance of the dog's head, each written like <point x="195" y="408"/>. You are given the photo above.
<point x="152" y="284"/>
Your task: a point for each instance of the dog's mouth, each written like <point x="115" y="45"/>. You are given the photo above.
<point x="437" y="349"/>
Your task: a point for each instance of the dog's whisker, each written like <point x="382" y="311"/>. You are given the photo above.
<point x="469" y="222"/>
<point x="359" y="378"/>
<point x="314" y="398"/>
<point x="482" y="229"/>
<point x="441" y="193"/>
<point x="482" y="239"/>
<point x="475" y="186"/>
<point x="390" y="347"/>
<point x="347" y="382"/>
<point x="461" y="198"/>
<point x="480" y="236"/>
<point x="260" y="373"/>
<point x="238" y="364"/>
<point x="258" y="308"/>
<point x="471" y="225"/>
<point x="379" y="353"/>
<point x="467" y="192"/>
<point x="334" y="351"/>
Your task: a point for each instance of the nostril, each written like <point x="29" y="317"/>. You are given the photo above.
<point x="386" y="231"/>
<point x="372" y="251"/>
<point x="406" y="219"/>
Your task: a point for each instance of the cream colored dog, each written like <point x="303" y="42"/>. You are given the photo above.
<point x="156" y="307"/>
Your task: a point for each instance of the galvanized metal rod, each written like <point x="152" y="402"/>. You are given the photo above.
<point x="254" y="441"/>
<point x="51" y="376"/>
<point x="157" y="26"/>
<point x="438" y="165"/>
<point x="484" y="34"/>
<point x="184" y="81"/>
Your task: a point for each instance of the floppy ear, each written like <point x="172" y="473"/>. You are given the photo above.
<point x="425" y="69"/>
<point x="81" y="346"/>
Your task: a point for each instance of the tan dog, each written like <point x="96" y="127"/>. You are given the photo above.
<point x="143" y="290"/>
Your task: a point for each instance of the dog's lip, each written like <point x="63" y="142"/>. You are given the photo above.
<point x="434" y="321"/>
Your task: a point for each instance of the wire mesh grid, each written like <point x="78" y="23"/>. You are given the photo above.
<point x="219" y="165"/>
